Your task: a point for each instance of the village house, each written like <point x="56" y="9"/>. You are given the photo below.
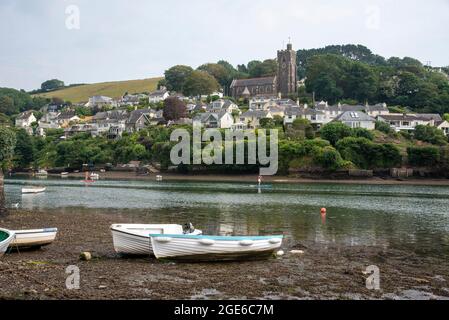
<point x="66" y="118"/>
<point x="101" y="101"/>
<point x="104" y="121"/>
<point x="139" y="119"/>
<point x="221" y="120"/>
<point x="25" y="119"/>
<point x="223" y="105"/>
<point x="252" y="117"/>
<point x="132" y="99"/>
<point x="357" y="119"/>
<point x="158" y="96"/>
<point x="443" y="125"/>
<point x="408" y="122"/>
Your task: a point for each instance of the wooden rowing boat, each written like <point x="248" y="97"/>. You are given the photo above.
<point x="6" y="237"/>
<point x="214" y="248"/>
<point x="33" y="189"/>
<point x="34" y="238"/>
<point x="134" y="239"/>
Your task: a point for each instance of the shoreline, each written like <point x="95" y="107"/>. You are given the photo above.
<point x="252" y="178"/>
<point x="328" y="271"/>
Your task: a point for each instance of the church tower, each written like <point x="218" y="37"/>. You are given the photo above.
<point x="287" y="73"/>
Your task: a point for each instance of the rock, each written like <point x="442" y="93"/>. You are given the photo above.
<point x="85" y="256"/>
<point x="280" y="253"/>
<point x="297" y="252"/>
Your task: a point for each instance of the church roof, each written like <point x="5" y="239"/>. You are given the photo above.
<point x="253" y="82"/>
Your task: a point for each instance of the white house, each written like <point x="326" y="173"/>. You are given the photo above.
<point x="444" y="126"/>
<point x="25" y="119"/>
<point x="223" y="105"/>
<point x="221" y="120"/>
<point x="65" y="118"/>
<point x="357" y="119"/>
<point x="406" y="122"/>
<point x="158" y="96"/>
<point x="252" y="117"/>
<point x="100" y="101"/>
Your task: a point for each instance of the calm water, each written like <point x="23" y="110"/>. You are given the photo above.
<point x="400" y="217"/>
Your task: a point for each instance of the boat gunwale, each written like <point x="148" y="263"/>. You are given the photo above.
<point x="217" y="238"/>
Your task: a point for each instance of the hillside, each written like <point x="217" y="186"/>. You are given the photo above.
<point x="111" y="89"/>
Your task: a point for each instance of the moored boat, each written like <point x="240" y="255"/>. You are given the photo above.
<point x="64" y="174"/>
<point x="34" y="238"/>
<point x="214" y="248"/>
<point x="94" y="176"/>
<point x="42" y="173"/>
<point x="33" y="189"/>
<point x="134" y="239"/>
<point x="6" y="237"/>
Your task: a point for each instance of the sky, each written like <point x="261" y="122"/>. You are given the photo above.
<point x="88" y="41"/>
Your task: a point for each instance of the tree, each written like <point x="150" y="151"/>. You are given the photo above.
<point x="266" y="68"/>
<point x="301" y="129"/>
<point x="174" y="109"/>
<point x="200" y="83"/>
<point x="430" y="134"/>
<point x="383" y="127"/>
<point x="7" y="105"/>
<point x="176" y="77"/>
<point x="218" y="71"/>
<point x="7" y="145"/>
<point x="24" y="150"/>
<point x="423" y="156"/>
<point x="51" y="85"/>
<point x="267" y="123"/>
<point x="335" y="131"/>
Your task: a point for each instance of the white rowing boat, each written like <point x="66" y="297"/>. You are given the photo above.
<point x="33" y="189"/>
<point x="34" y="238"/>
<point x="6" y="237"/>
<point x="94" y="176"/>
<point x="213" y="248"/>
<point x="134" y="239"/>
<point x="42" y="173"/>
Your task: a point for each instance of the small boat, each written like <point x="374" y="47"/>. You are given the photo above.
<point x="34" y="238"/>
<point x="64" y="174"/>
<point x="94" y="176"/>
<point x="42" y="173"/>
<point x="33" y="189"/>
<point x="6" y="237"/>
<point x="213" y="248"/>
<point x="134" y="239"/>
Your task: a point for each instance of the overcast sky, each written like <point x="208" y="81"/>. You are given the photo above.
<point x="135" y="39"/>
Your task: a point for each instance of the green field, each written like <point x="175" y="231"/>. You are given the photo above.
<point x="114" y="89"/>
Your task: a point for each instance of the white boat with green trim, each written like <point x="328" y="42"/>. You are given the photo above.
<point x="33" y="190"/>
<point x="6" y="237"/>
<point x="134" y="239"/>
<point x="214" y="248"/>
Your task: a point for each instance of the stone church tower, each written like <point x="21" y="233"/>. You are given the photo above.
<point x="287" y="73"/>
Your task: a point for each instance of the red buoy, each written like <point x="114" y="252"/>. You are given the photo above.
<point x="323" y="211"/>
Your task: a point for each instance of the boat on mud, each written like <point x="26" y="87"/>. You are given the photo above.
<point x="134" y="239"/>
<point x="214" y="248"/>
<point x="35" y="238"/>
<point x="6" y="237"/>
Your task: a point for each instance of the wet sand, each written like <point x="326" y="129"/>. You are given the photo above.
<point x="266" y="179"/>
<point x="322" y="272"/>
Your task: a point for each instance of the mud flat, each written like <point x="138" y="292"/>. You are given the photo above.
<point x="321" y="272"/>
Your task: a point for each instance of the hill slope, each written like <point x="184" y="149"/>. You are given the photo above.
<point x="114" y="89"/>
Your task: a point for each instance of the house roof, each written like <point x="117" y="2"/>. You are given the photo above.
<point x="111" y="115"/>
<point x="66" y="115"/>
<point x="354" y="116"/>
<point x="157" y="93"/>
<point x="25" y="115"/>
<point x="253" y="82"/>
<point x="255" y="114"/>
<point x="137" y="114"/>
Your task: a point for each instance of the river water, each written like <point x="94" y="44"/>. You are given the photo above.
<point x="414" y="218"/>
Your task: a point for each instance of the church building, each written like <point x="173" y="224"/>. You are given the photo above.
<point x="284" y="83"/>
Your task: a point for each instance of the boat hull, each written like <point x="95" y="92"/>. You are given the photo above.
<point x="210" y="248"/>
<point x="34" y="238"/>
<point x="7" y="237"/>
<point x="134" y="239"/>
<point x="33" y="190"/>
